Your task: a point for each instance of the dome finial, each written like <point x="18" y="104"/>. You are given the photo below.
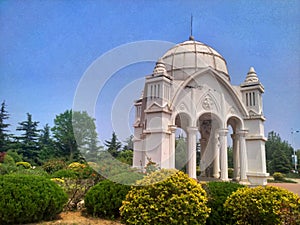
<point x="191" y="38"/>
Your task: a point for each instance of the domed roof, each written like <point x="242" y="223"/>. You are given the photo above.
<point x="187" y="57"/>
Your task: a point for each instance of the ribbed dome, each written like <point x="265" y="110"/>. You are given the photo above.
<point x="187" y="57"/>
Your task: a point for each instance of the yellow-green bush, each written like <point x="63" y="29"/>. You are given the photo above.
<point x="263" y="205"/>
<point x="25" y="165"/>
<point x="278" y="176"/>
<point x="165" y="197"/>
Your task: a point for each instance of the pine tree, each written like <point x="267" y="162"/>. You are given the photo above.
<point x="64" y="136"/>
<point x="29" y="140"/>
<point x="113" y="146"/>
<point x="48" y="150"/>
<point x="3" y="128"/>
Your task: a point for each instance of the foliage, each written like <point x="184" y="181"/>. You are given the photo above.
<point x="151" y="166"/>
<point x="54" y="165"/>
<point x="26" y="199"/>
<point x="125" y="156"/>
<point x="47" y="148"/>
<point x="105" y="199"/>
<point x="3" y="128"/>
<point x="85" y="133"/>
<point x="25" y="165"/>
<point x="230" y="172"/>
<point x="29" y="140"/>
<point x="32" y="171"/>
<point x="8" y="165"/>
<point x="127" y="178"/>
<point x="77" y="180"/>
<point x="278" y="176"/>
<point x="165" y="197"/>
<point x="180" y="154"/>
<point x="263" y="205"/>
<point x="114" y="145"/>
<point x="217" y="194"/>
<point x="278" y="154"/>
<point x="14" y="155"/>
<point x="64" y="136"/>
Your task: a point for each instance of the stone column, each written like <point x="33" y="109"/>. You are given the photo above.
<point x="191" y="166"/>
<point x="223" y="154"/>
<point x="172" y="129"/>
<point x="216" y="173"/>
<point x="236" y="159"/>
<point x="243" y="155"/>
<point x="203" y="166"/>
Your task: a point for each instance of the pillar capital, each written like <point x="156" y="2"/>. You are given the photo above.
<point x="242" y="133"/>
<point x="223" y="132"/>
<point x="192" y="129"/>
<point x="172" y="128"/>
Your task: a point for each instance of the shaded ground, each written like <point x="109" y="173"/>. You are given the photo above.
<point x="76" y="218"/>
<point x="289" y="186"/>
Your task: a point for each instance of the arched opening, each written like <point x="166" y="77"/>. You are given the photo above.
<point x="208" y="125"/>
<point x="180" y="149"/>
<point x="182" y="121"/>
<point x="234" y="125"/>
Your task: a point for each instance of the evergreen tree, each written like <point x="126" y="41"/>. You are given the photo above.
<point x="86" y="135"/>
<point x="128" y="143"/>
<point x="75" y="135"/>
<point x="48" y="150"/>
<point x="3" y="128"/>
<point x="113" y="146"/>
<point x="278" y="154"/>
<point x="64" y="136"/>
<point x="29" y="140"/>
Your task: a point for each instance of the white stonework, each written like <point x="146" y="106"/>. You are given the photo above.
<point x="190" y="89"/>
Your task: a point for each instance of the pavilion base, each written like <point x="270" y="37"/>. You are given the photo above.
<point x="257" y="179"/>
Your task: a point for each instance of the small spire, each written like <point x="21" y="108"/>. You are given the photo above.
<point x="251" y="76"/>
<point x="160" y="68"/>
<point x="191" y="38"/>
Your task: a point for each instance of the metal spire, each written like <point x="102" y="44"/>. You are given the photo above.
<point x="191" y="38"/>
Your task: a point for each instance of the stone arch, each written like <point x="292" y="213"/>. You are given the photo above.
<point x="182" y="120"/>
<point x="209" y="124"/>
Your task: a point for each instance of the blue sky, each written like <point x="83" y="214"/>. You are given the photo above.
<point x="46" y="46"/>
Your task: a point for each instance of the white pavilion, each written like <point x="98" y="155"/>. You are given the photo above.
<point x="190" y="88"/>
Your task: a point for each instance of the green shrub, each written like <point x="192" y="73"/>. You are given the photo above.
<point x="27" y="199"/>
<point x="14" y="155"/>
<point x="230" y="172"/>
<point x="217" y="194"/>
<point x="165" y="197"/>
<point x="105" y="199"/>
<point x="36" y="172"/>
<point x="64" y="173"/>
<point x="278" y="176"/>
<point x="25" y="165"/>
<point x="263" y="205"/>
<point x="127" y="178"/>
<point x="54" y="165"/>
<point x="8" y="165"/>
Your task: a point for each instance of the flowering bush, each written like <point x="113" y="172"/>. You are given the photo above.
<point x="263" y="205"/>
<point x="25" y="165"/>
<point x="165" y="197"/>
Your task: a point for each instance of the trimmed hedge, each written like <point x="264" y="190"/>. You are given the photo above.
<point x="105" y="199"/>
<point x="217" y="193"/>
<point x="165" y="197"/>
<point x="27" y="199"/>
<point x="263" y="205"/>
